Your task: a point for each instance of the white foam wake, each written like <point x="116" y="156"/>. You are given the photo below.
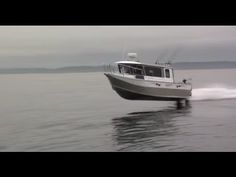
<point x="213" y="93"/>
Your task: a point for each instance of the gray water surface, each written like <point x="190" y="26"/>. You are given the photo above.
<point x="81" y="112"/>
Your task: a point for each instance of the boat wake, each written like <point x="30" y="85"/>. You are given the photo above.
<point x="213" y="93"/>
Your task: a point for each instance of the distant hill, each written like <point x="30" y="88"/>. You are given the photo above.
<point x="205" y="65"/>
<point x="72" y="69"/>
<point x="79" y="69"/>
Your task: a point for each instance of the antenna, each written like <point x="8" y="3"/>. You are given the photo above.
<point x="157" y="61"/>
<point x="162" y="55"/>
<point x="123" y="51"/>
<point x="169" y="63"/>
<point x="173" y="54"/>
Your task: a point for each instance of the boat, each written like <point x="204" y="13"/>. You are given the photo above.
<point x="134" y="80"/>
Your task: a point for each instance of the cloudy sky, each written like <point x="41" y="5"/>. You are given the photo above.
<point x="58" y="46"/>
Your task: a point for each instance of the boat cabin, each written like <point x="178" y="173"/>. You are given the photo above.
<point x="157" y="72"/>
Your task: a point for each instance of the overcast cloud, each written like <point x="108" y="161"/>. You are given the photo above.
<point x="58" y="46"/>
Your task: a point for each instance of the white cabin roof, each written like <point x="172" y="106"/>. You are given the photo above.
<point x="135" y="62"/>
<point x="131" y="62"/>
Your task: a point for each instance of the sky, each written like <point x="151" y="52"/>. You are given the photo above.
<point x="59" y="46"/>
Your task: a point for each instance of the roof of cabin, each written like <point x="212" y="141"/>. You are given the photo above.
<point x="128" y="62"/>
<point x="135" y="62"/>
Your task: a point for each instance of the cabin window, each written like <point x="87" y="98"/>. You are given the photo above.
<point x="153" y="71"/>
<point x="131" y="69"/>
<point x="167" y="72"/>
<point x="139" y="71"/>
<point x="136" y="69"/>
<point x="124" y="69"/>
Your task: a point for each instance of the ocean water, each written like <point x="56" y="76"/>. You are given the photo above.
<point x="81" y="112"/>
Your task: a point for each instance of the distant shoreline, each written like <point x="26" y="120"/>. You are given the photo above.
<point x="84" y="69"/>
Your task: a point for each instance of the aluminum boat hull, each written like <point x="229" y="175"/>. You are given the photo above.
<point x="139" y="89"/>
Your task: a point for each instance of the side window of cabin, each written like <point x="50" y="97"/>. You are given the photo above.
<point x="167" y="72"/>
<point x="127" y="70"/>
<point x="135" y="69"/>
<point x="119" y="67"/>
<point x="131" y="69"/>
<point x="138" y="70"/>
<point x="123" y="69"/>
<point x="153" y="71"/>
